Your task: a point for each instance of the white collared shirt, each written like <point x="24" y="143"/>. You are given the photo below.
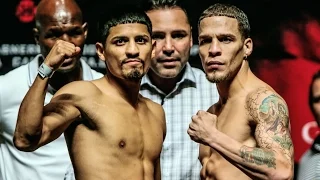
<point x="179" y="156"/>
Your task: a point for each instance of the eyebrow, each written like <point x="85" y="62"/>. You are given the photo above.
<point x="227" y="35"/>
<point x="203" y="36"/>
<point x="55" y="28"/>
<point x="126" y="37"/>
<point x="175" y="31"/>
<point x="144" y="36"/>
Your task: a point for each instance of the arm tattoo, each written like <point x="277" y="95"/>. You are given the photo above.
<point x="271" y="114"/>
<point x="274" y="113"/>
<point x="258" y="156"/>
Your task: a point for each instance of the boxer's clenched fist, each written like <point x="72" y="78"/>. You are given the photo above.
<point x="61" y="51"/>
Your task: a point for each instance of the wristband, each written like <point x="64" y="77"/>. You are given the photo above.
<point x="45" y="71"/>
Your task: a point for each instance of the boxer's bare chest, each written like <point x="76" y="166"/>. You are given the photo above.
<point x="127" y="129"/>
<point x="233" y="120"/>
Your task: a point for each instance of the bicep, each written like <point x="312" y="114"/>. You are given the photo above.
<point x="56" y="118"/>
<point x="273" y="125"/>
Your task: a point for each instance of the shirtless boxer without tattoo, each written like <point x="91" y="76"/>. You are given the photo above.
<point x="112" y="132"/>
<point x="246" y="134"/>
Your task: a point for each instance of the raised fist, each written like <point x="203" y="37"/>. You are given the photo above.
<point x="61" y="51"/>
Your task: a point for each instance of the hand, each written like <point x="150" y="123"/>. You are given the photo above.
<point x="202" y="127"/>
<point x="60" y="51"/>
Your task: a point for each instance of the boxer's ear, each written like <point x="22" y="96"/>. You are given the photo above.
<point x="36" y="35"/>
<point x="248" y="46"/>
<point x="100" y="51"/>
<point x="153" y="53"/>
<point x="85" y="29"/>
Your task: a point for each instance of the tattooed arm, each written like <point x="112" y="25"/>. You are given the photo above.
<point x="272" y="158"/>
<point x="274" y="152"/>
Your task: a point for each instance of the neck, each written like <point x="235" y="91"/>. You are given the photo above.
<point x="235" y="84"/>
<point x="166" y="85"/>
<point x="128" y="89"/>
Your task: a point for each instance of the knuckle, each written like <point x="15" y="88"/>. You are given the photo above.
<point x="59" y="42"/>
<point x="60" y="51"/>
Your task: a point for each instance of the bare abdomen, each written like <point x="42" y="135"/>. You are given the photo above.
<point x="102" y="167"/>
<point x="98" y="158"/>
<point x="217" y="168"/>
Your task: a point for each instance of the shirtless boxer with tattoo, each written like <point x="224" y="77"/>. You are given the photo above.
<point x="246" y="134"/>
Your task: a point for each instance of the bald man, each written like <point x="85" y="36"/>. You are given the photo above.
<point x="55" y="20"/>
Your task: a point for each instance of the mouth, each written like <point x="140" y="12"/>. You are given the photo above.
<point x="169" y="62"/>
<point x="67" y="62"/>
<point x="214" y="65"/>
<point x="132" y="61"/>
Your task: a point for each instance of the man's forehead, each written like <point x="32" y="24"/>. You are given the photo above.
<point x="59" y="13"/>
<point x="129" y="29"/>
<point x="63" y="16"/>
<point x="173" y="18"/>
<point x="219" y="23"/>
<point x="220" y="20"/>
<point x="59" y="18"/>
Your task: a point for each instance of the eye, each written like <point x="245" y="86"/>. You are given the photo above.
<point x="226" y="40"/>
<point x="157" y="36"/>
<point x="204" y="41"/>
<point x="53" y="34"/>
<point x="75" y="32"/>
<point x="141" y="40"/>
<point x="178" y="36"/>
<point x="119" y="42"/>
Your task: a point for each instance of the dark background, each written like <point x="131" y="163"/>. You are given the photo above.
<point x="265" y="17"/>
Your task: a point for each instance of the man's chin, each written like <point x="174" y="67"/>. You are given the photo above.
<point x="169" y="75"/>
<point x="217" y="79"/>
<point x="68" y="67"/>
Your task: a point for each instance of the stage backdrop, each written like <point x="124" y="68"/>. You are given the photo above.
<point x="286" y="38"/>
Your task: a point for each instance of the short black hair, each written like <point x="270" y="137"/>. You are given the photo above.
<point x="121" y="15"/>
<point x="166" y="4"/>
<point x="231" y="11"/>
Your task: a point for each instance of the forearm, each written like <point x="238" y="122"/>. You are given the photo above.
<point x="258" y="163"/>
<point x="29" y="123"/>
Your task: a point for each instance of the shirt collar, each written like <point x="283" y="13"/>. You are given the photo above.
<point x="34" y="65"/>
<point x="188" y="76"/>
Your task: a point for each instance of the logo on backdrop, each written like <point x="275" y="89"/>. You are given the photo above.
<point x="309" y="131"/>
<point x="26" y="10"/>
<point x="15" y="55"/>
